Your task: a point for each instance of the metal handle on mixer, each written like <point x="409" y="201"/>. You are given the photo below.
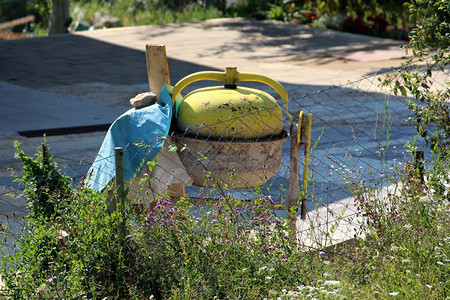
<point x="230" y="78"/>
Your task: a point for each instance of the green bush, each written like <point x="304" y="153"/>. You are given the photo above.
<point x="430" y="45"/>
<point x="364" y="17"/>
<point x="46" y="189"/>
<point x="72" y="247"/>
<point x="136" y="12"/>
<point x="10" y="10"/>
<point x="174" y="251"/>
<point x="407" y="250"/>
<point x="15" y="9"/>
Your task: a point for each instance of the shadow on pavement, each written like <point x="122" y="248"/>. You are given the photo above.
<point x="73" y="59"/>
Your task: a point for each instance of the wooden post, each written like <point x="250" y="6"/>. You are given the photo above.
<point x="120" y="197"/>
<point x="418" y="161"/>
<point x="45" y="155"/>
<point x="157" y="67"/>
<point x="293" y="168"/>
<point x="293" y="179"/>
<point x="158" y="75"/>
<point x="118" y="154"/>
<point x="306" y="137"/>
<point x="59" y="17"/>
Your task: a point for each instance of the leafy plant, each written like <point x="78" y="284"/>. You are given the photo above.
<point x="41" y="10"/>
<point x="407" y="229"/>
<point x="175" y="250"/>
<point x="136" y="12"/>
<point x="380" y="18"/>
<point x="10" y="10"/>
<point x="72" y="246"/>
<point x="46" y="188"/>
<point x="223" y="250"/>
<point x="430" y="44"/>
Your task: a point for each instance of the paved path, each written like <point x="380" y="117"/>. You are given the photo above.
<point x="33" y="110"/>
<point x="290" y="53"/>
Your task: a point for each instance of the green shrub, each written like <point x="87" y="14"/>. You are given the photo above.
<point x="430" y="45"/>
<point x="407" y="249"/>
<point x="46" y="189"/>
<point x="14" y="9"/>
<point x="133" y="13"/>
<point x="174" y="251"/>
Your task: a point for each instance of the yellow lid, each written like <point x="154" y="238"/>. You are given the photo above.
<point x="230" y="112"/>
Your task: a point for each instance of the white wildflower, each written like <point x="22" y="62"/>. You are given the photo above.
<point x="332" y="282"/>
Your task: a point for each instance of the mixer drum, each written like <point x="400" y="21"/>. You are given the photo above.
<point x="240" y="165"/>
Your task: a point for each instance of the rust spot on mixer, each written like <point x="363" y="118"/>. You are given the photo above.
<point x="225" y="105"/>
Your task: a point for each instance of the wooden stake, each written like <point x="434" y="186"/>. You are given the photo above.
<point x="293" y="168"/>
<point x="157" y="67"/>
<point x="418" y="161"/>
<point x="45" y="155"/>
<point x="293" y="180"/>
<point x="306" y="137"/>
<point x="120" y="197"/>
<point x="118" y="151"/>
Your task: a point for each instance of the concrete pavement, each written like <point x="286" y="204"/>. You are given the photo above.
<point x="31" y="110"/>
<point x="290" y="53"/>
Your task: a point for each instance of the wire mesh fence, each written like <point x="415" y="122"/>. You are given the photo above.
<point x="358" y="135"/>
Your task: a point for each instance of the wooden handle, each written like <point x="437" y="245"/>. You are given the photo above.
<point x="157" y="67"/>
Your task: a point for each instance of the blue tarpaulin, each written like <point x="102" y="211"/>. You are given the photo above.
<point x="146" y="126"/>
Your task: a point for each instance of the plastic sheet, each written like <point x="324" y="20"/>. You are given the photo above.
<point x="148" y="126"/>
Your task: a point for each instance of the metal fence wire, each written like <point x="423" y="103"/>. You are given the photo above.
<point x="359" y="130"/>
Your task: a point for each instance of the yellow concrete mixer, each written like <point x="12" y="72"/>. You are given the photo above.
<point x="238" y="130"/>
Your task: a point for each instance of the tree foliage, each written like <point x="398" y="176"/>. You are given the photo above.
<point x="430" y="43"/>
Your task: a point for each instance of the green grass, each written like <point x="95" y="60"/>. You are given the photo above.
<point x="144" y="14"/>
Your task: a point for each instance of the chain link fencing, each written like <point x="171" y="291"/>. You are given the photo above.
<point x="359" y="131"/>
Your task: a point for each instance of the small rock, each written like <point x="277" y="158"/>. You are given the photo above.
<point x="143" y="100"/>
